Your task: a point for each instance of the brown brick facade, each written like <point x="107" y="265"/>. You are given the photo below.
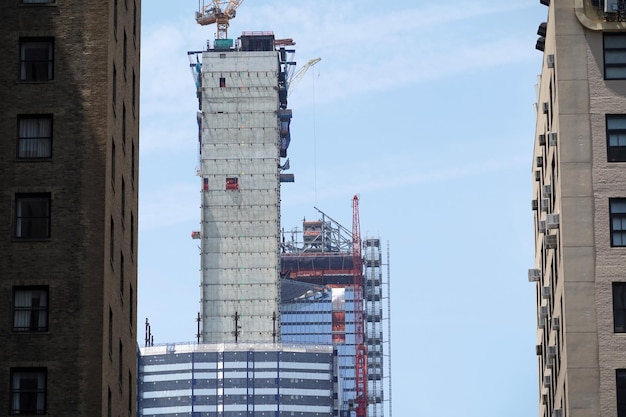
<point x="91" y="199"/>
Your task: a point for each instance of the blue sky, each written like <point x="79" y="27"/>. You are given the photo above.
<point x="424" y="109"/>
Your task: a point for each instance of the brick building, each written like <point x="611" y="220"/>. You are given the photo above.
<point x="69" y="127"/>
<point x="579" y="203"/>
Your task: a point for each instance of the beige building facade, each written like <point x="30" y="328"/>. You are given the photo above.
<point x="579" y="203"/>
<point x="69" y="127"/>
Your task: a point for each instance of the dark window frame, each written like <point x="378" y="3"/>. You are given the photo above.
<point x="36" y="311"/>
<point x="618" y="222"/>
<point x="614" y="55"/>
<point x="620" y="388"/>
<point x="36" y="70"/>
<point x="25" y="141"/>
<point x="617" y="135"/>
<point x="28" y="400"/>
<point x="619" y="307"/>
<point x="24" y="222"/>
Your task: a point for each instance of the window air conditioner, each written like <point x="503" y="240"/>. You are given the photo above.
<point x="541" y="323"/>
<point x="542" y="140"/>
<point x="539" y="161"/>
<point x="537" y="175"/>
<point x="551" y="351"/>
<point x="534" y="204"/>
<point x="550" y="241"/>
<point x="556" y="323"/>
<point x="543" y="312"/>
<point x="545" y="204"/>
<point x="550" y="60"/>
<point x="547" y="381"/>
<point x="557" y="413"/>
<point x="546" y="292"/>
<point x="547" y="190"/>
<point x="541" y="226"/>
<point x="538" y="350"/>
<point x="550" y="362"/>
<point x="552" y="221"/>
<point x="534" y="275"/>
<point x="544" y="399"/>
<point x="552" y="139"/>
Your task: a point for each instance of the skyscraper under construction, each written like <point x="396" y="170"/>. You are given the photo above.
<point x="271" y="342"/>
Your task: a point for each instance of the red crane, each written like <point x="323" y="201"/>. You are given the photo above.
<point x="361" y="349"/>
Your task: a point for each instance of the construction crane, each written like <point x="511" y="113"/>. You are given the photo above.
<point x="218" y="12"/>
<point x="359" y="342"/>
<point x="295" y="78"/>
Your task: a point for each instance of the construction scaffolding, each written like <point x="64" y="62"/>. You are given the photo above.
<point x="321" y="254"/>
<point x="243" y="133"/>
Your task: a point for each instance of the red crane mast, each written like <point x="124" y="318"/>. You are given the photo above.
<point x="361" y="349"/>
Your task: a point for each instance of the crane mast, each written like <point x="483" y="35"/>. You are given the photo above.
<point x="360" y="348"/>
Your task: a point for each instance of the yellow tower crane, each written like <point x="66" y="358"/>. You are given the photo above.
<point x="218" y="12"/>
<point x="295" y="79"/>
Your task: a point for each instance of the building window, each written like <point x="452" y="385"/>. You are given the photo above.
<point x="132" y="164"/>
<point x="28" y="391"/>
<point x="132" y="233"/>
<point x="621" y="392"/>
<point x="614" y="56"/>
<point x="115" y="17"/>
<point x="37" y="1"/>
<point x="30" y="309"/>
<point x="121" y="273"/>
<point x="32" y="216"/>
<point x="222" y="82"/>
<point x="135" y="20"/>
<point x="36" y="59"/>
<point x="134" y="91"/>
<point x="110" y="333"/>
<point x="120" y="364"/>
<point x="619" y="307"/>
<point x="124" y="127"/>
<point x="112" y="241"/>
<point x="34" y="137"/>
<point x="616" y="138"/>
<point x="130" y="392"/>
<point x="113" y="156"/>
<point x="617" y="207"/>
<point x="114" y="87"/>
<point x="232" y="183"/>
<point x="109" y="403"/>
<point x="123" y="210"/>
<point x="125" y="52"/>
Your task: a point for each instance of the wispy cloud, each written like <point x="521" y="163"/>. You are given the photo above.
<point x="371" y="50"/>
<point x="363" y="49"/>
<point x="394" y="173"/>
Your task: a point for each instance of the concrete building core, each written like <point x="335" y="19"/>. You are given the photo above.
<point x="240" y="153"/>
